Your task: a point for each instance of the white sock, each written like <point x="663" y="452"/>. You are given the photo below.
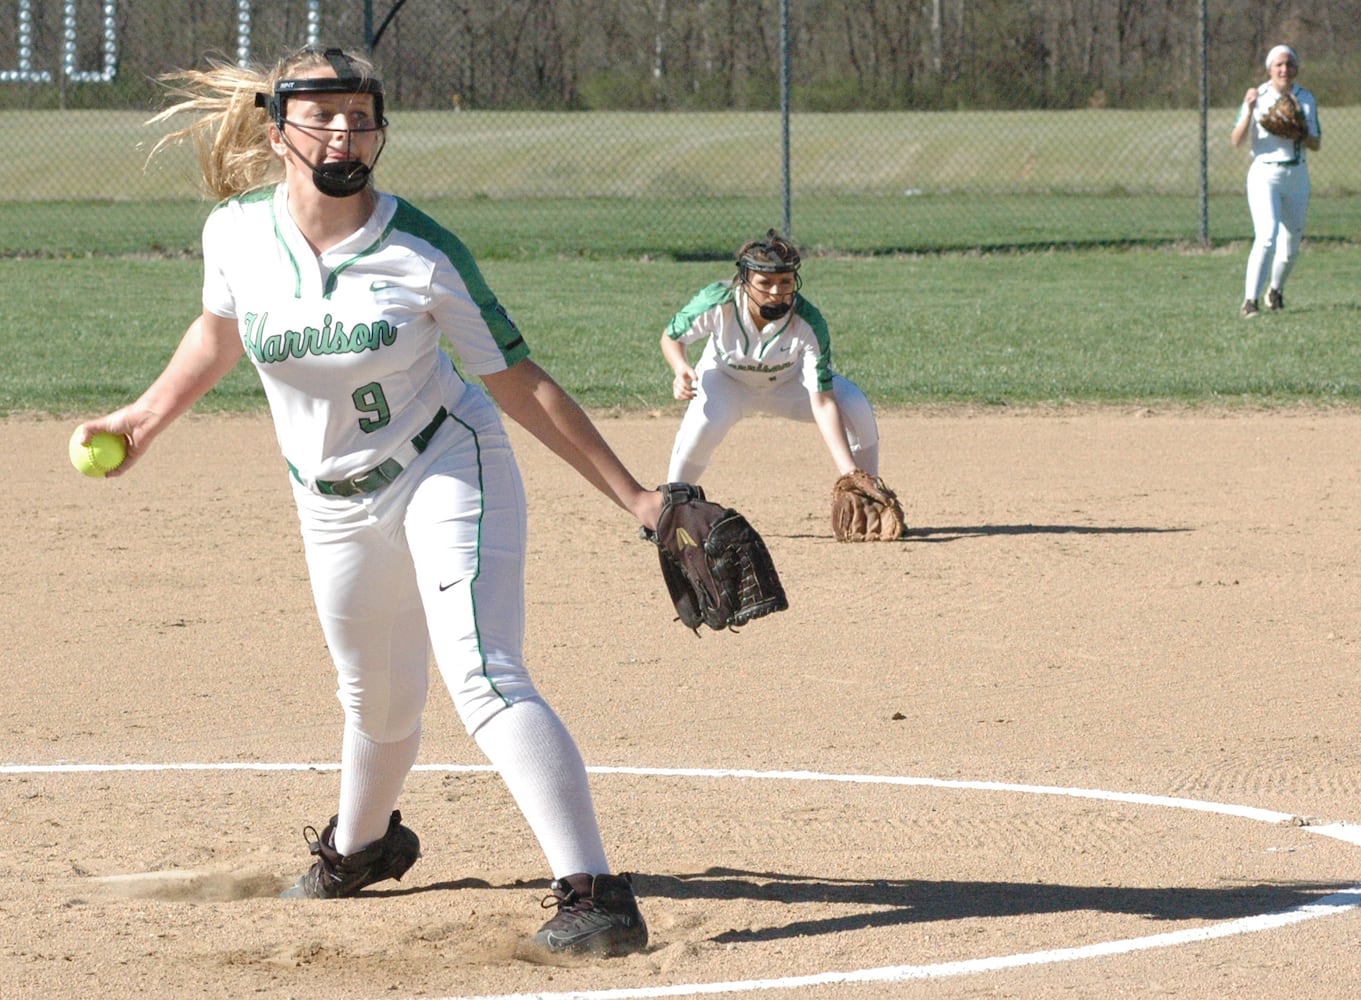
<point x="371" y="779"/>
<point x="541" y="765"/>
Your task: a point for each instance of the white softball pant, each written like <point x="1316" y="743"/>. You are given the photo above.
<point x="432" y="562"/>
<point x="1278" y="198"/>
<point x="721" y="401"/>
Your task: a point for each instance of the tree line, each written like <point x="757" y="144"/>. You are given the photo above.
<point x="648" y="55"/>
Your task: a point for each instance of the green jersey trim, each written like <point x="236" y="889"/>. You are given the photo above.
<point x="409" y="219"/>
<point x="279" y="236"/>
<point x="810" y="314"/>
<point x="705" y="299"/>
<point x="340" y="268"/>
<point x="477" y="572"/>
<point x="267" y="194"/>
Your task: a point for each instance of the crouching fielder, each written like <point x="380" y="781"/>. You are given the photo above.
<point x="767" y="351"/>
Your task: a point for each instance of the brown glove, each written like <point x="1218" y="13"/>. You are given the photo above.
<point x="1285" y="118"/>
<point x="864" y="509"/>
<point x="716" y="567"/>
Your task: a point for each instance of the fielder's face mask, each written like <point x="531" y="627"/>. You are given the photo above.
<point x="773" y="256"/>
<point x="340" y="178"/>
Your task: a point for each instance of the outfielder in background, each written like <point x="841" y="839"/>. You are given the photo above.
<point x="1281" y="119"/>
<point x="767" y="351"/>
<point x="411" y="505"/>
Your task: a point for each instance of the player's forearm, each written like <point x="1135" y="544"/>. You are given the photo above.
<point x="530" y="397"/>
<point x="674" y="353"/>
<point x="204" y="355"/>
<point x="827" y="416"/>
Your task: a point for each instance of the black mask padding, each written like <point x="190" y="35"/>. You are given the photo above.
<point x="341" y="179"/>
<point x="774" y="310"/>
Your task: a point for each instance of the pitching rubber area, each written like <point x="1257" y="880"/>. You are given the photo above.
<point x="1330" y="905"/>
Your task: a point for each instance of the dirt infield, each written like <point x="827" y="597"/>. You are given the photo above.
<point x="1129" y="603"/>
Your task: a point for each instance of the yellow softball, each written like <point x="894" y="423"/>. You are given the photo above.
<point x="102" y="455"/>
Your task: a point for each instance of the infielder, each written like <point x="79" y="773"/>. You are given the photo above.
<point x="768" y="351"/>
<point x="1278" y="181"/>
<point x="410" y="501"/>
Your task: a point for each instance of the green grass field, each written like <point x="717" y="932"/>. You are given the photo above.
<point x="1130" y="326"/>
<point x="690" y="186"/>
<point x="101" y="155"/>
<point x="1040" y="257"/>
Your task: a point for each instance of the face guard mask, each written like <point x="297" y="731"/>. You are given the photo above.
<point x="341" y="178"/>
<point x="758" y="258"/>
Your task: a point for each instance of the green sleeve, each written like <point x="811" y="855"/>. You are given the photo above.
<point x="506" y="334"/>
<point x="708" y="297"/>
<point x="809" y="314"/>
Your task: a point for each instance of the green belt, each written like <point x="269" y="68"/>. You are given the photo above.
<point x="377" y="477"/>
<point x="1282" y="163"/>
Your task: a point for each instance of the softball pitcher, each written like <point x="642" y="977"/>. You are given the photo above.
<point x="1278" y="181"/>
<point x="410" y="501"/>
<point x="768" y="351"/>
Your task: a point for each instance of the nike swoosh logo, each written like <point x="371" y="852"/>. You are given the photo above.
<point x="445" y="586"/>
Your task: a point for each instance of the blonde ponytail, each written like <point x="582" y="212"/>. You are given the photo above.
<point x="230" y="135"/>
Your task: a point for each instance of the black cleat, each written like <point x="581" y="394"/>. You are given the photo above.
<point x="596" y="916"/>
<point x="334" y="874"/>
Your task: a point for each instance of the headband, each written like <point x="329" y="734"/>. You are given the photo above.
<point x="1282" y="49"/>
<point x="751" y="262"/>
<point x="346" y="81"/>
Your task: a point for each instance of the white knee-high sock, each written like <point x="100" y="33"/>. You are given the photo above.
<point x="371" y="779"/>
<point x="541" y="765"/>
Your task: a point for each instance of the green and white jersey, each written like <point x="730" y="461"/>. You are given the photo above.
<point x="348" y="344"/>
<point x="795" y="347"/>
<point x="1268" y="148"/>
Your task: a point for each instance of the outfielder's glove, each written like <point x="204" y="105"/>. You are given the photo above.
<point x="717" y="569"/>
<point x="1285" y="118"/>
<point x="864" y="509"/>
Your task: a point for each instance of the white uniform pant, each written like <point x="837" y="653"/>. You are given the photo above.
<point x="721" y="401"/>
<point x="1278" y="198"/>
<point x="433" y="561"/>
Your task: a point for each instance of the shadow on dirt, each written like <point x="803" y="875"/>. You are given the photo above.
<point x="910" y="901"/>
<point x="956" y="532"/>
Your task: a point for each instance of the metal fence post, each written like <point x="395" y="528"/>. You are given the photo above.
<point x="784" y="117"/>
<point x="1204" y="124"/>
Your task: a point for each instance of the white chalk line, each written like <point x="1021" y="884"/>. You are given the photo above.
<point x="1326" y="906"/>
<point x="1242" y="812"/>
<point x="1330" y="905"/>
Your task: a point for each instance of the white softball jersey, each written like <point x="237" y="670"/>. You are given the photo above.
<point x="772" y="368"/>
<point x="795" y="347"/>
<point x="1270" y="148"/>
<point x="348" y="344"/>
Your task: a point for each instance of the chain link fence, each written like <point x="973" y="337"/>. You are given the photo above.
<point x="656" y="128"/>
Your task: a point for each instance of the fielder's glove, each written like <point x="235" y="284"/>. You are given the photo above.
<point x="864" y="509"/>
<point x="717" y="569"/>
<point x="1285" y="118"/>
